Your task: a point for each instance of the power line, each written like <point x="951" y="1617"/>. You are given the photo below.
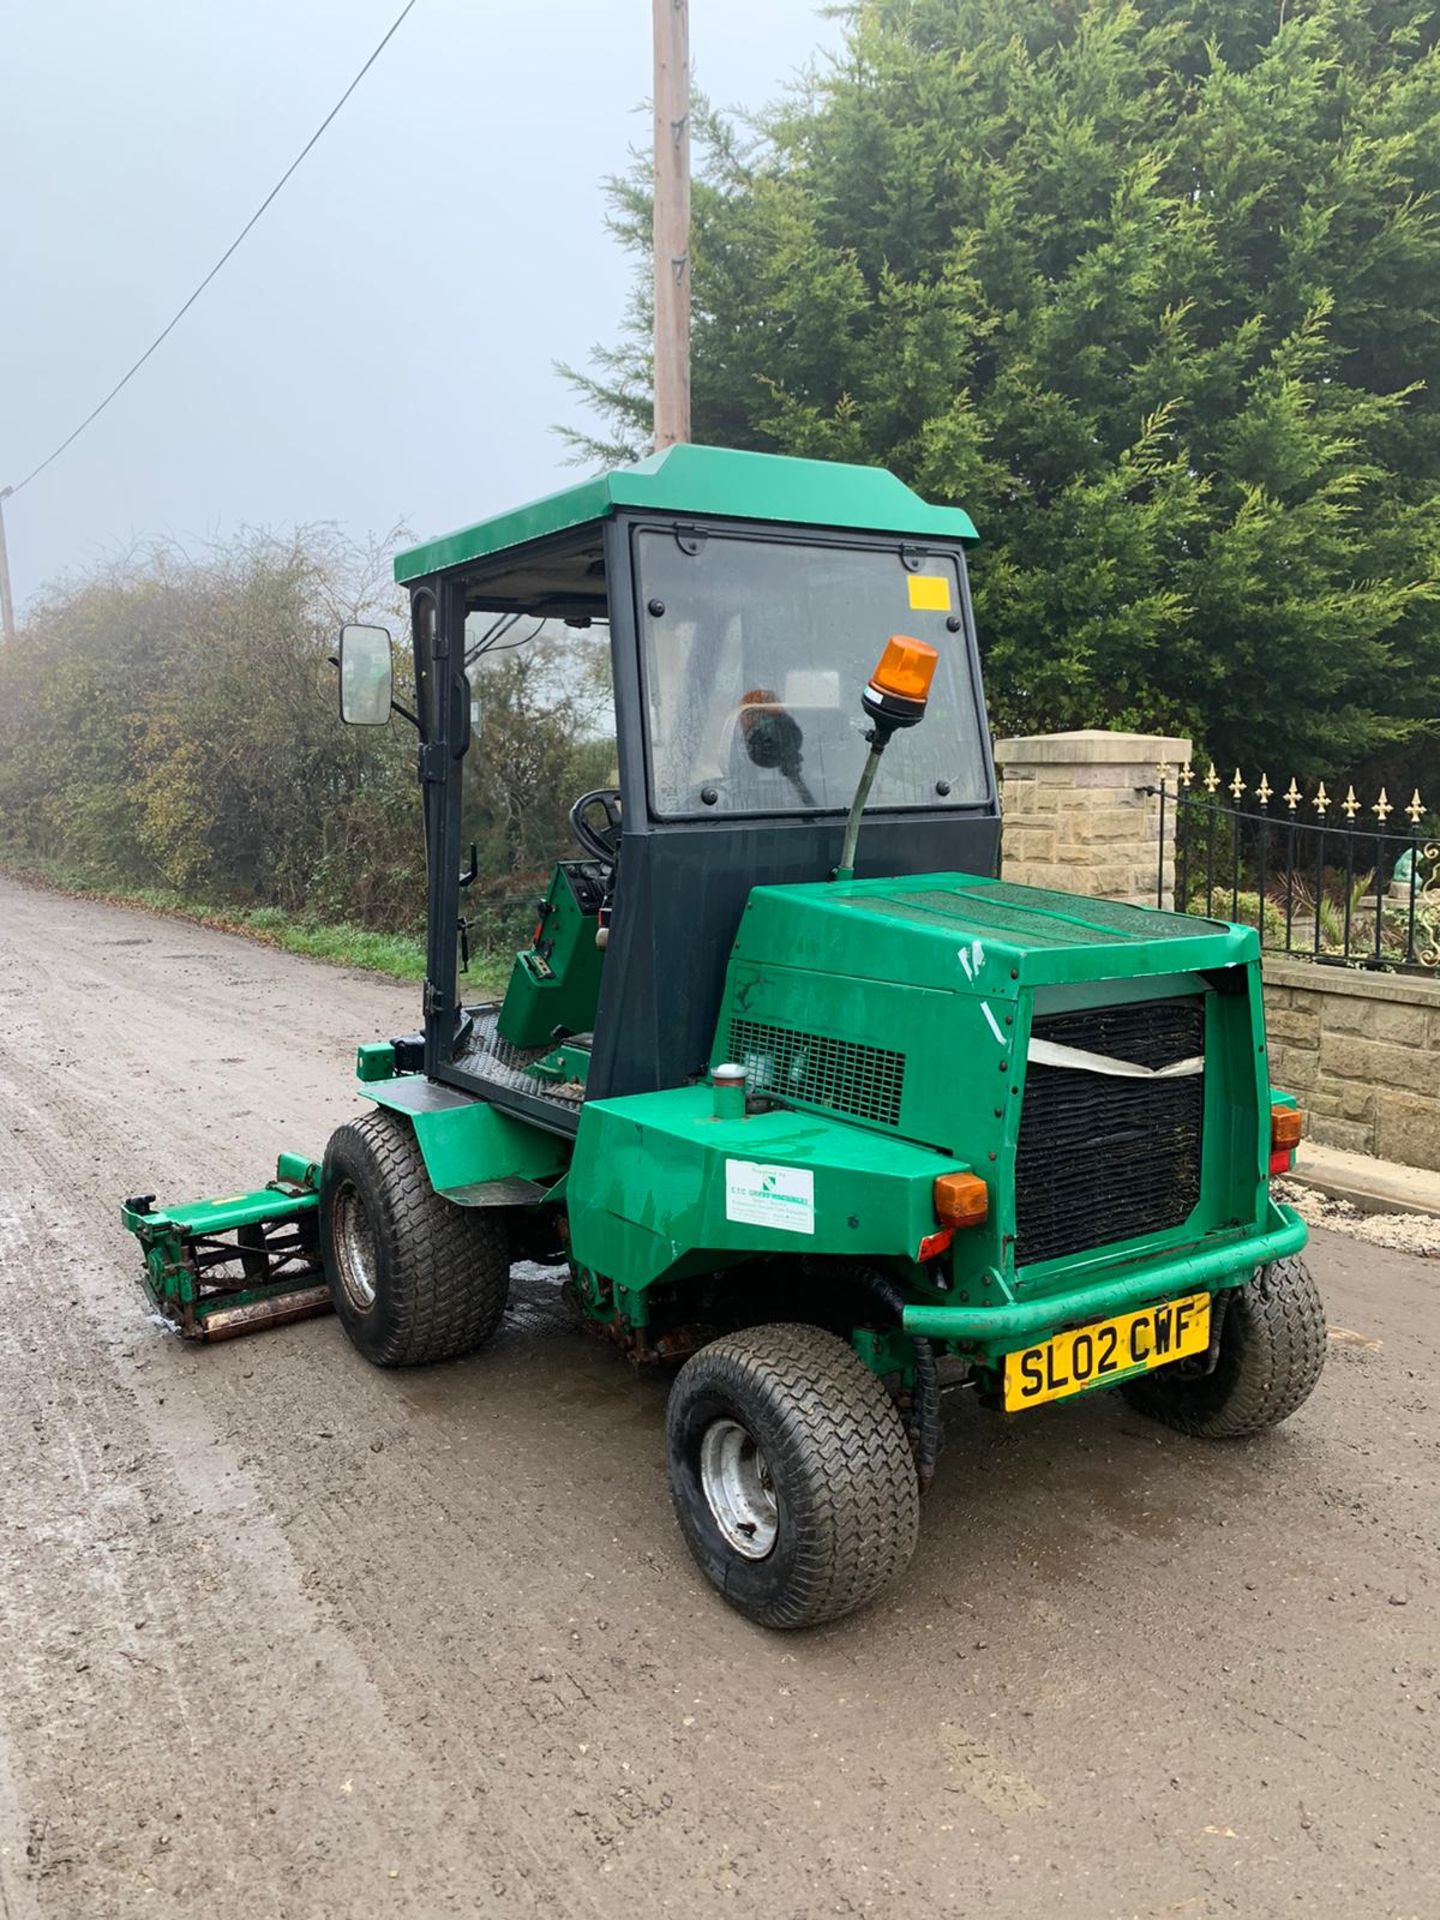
<point x="160" y="337"/>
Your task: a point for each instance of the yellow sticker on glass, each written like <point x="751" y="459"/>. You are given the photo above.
<point x="929" y="593"/>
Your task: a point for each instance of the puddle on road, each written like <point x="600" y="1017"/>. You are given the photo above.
<point x="544" y="1350"/>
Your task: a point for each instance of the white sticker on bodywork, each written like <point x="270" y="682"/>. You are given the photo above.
<point x="767" y="1196"/>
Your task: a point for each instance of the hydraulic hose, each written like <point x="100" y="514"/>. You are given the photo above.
<point x="927" y="1410"/>
<point x="924" y="1424"/>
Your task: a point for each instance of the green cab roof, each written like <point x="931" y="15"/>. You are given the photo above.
<point x="710" y="482"/>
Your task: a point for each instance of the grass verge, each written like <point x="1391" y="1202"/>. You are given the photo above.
<point x="400" y="955"/>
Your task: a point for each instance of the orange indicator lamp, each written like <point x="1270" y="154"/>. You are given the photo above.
<point x="1285" y="1127"/>
<point x="961" y="1200"/>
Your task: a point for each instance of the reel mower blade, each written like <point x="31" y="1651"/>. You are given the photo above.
<point x="215" y="1269"/>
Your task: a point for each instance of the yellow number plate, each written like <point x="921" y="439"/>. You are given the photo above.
<point x="1108" y="1350"/>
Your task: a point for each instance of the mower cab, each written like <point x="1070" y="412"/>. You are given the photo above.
<point x="746" y="599"/>
<point x="798" y="1091"/>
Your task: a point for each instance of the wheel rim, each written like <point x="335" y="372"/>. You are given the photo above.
<point x="354" y="1241"/>
<point x="735" y="1479"/>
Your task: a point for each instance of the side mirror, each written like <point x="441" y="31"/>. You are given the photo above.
<point x="365" y="676"/>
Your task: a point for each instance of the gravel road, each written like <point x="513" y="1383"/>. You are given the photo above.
<point x="285" y="1636"/>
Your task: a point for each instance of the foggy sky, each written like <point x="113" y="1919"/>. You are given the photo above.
<point x="381" y="347"/>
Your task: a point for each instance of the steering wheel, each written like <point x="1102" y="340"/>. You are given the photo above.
<point x="601" y="843"/>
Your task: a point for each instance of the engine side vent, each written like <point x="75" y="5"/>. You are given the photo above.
<point x="865" y="1082"/>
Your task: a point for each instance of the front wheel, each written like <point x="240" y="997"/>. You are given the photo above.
<point x="792" y="1476"/>
<point x="414" y="1278"/>
<point x="1272" y="1350"/>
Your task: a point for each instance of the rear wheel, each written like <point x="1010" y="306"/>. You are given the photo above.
<point x="1272" y="1350"/>
<point x="414" y="1278"/>
<point x="792" y="1476"/>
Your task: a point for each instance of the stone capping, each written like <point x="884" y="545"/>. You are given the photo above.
<point x="1312" y="976"/>
<point x="1091" y="746"/>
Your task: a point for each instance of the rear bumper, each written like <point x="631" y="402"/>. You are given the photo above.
<point x="1010" y="1323"/>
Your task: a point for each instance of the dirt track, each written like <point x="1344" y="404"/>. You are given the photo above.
<point x="284" y="1636"/>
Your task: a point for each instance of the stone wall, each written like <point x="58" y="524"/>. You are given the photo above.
<point x="1078" y="816"/>
<point x="1362" y="1053"/>
<point x="1361" y="1050"/>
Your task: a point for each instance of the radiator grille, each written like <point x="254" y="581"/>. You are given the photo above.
<point x="839" y="1074"/>
<point x="1103" y="1159"/>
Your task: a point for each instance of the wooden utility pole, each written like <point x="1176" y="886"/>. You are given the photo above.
<point x="7" y="605"/>
<point x="672" y="221"/>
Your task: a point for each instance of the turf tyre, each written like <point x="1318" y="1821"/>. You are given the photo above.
<point x="438" y="1275"/>
<point x="1272" y="1351"/>
<point x="845" y="1489"/>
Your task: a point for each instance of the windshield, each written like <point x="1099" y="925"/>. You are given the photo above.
<point x="755" y="655"/>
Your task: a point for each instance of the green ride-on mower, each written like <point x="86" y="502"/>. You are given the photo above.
<point x="814" y="1109"/>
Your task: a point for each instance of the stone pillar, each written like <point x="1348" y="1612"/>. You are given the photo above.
<point x="1077" y="816"/>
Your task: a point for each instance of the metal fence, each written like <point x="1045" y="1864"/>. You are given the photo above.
<point x="1308" y="871"/>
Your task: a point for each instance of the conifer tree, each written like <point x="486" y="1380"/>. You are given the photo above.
<point x="1154" y="291"/>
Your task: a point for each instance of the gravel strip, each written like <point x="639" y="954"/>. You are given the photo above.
<point x="1416" y="1233"/>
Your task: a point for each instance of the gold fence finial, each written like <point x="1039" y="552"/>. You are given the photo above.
<point x="1350" y="804"/>
<point x="1187" y="774"/>
<point x="1292" y="795"/>
<point x="1322" y="800"/>
<point x="1264" y="791"/>
<point x="1237" y="786"/>
<point x="1212" y="779"/>
<point x="1383" y="807"/>
<point x="1416" y="808"/>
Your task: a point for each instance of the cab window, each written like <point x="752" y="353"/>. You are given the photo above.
<point x="754" y="655"/>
